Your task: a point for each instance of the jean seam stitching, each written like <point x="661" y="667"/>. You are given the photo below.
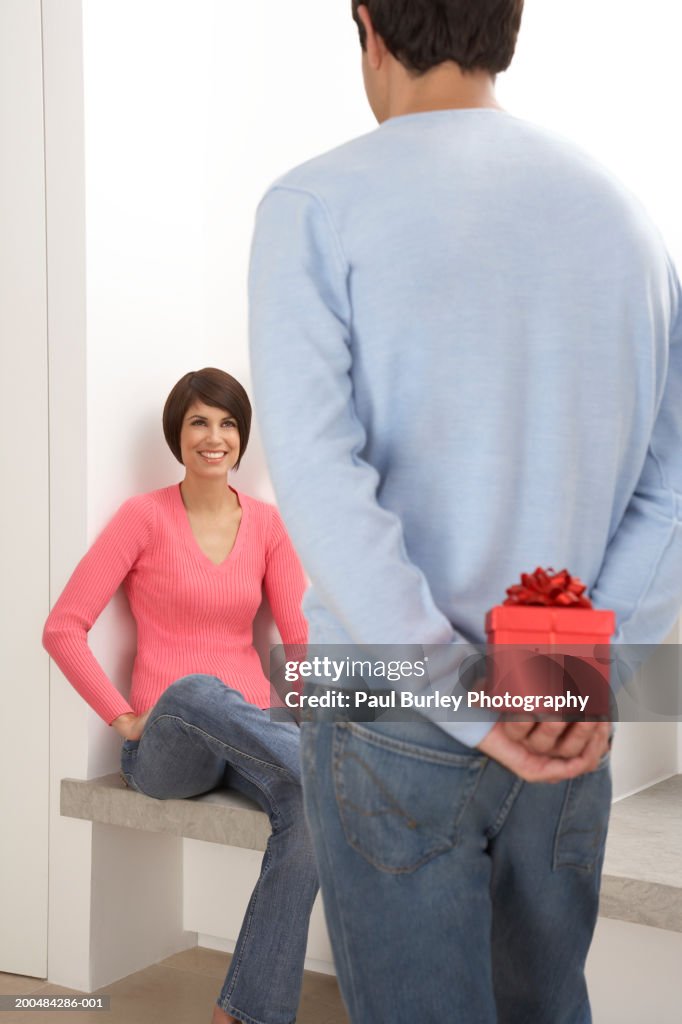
<point x="559" y="862"/>
<point x="245" y="1018"/>
<point x="249" y="918"/>
<point x="323" y="842"/>
<point x="276" y="818"/>
<point x="227" y="746"/>
<point x="506" y="807"/>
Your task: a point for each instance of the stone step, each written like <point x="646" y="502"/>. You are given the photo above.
<point x="222" y="816"/>
<point x="642" y="880"/>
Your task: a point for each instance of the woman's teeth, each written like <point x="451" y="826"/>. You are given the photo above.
<point x="212" y="456"/>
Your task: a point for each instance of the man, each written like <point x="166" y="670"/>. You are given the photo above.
<point x="467" y="354"/>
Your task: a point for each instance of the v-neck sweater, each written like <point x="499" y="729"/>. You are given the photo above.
<point x="193" y="615"/>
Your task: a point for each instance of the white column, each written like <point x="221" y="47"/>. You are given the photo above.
<point x="24" y="475"/>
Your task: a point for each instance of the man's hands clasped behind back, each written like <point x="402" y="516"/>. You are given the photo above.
<point x="547" y="751"/>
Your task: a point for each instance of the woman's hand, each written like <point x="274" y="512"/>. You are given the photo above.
<point x="130" y="726"/>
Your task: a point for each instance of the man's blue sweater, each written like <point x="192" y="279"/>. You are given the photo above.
<point x="467" y="357"/>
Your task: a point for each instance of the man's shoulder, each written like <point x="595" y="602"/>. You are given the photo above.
<point x="562" y="168"/>
<point x="319" y="174"/>
<point x="411" y="151"/>
<point x="444" y="168"/>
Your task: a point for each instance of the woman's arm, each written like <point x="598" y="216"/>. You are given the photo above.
<point x="92" y="585"/>
<point x="284" y="586"/>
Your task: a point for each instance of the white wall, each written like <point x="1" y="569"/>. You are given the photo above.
<point x="178" y="149"/>
<point x="191" y="108"/>
<point x="24" y="578"/>
<point x="70" y="841"/>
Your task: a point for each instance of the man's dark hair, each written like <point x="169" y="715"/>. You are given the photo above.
<point x="213" y="387"/>
<point x="424" y="33"/>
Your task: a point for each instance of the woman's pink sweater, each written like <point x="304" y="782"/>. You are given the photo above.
<point x="192" y="616"/>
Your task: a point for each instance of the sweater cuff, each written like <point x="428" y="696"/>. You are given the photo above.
<point x="113" y="708"/>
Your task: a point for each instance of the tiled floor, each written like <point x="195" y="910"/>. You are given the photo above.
<point x="179" y="990"/>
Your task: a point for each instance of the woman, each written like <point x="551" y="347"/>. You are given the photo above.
<point x="193" y="559"/>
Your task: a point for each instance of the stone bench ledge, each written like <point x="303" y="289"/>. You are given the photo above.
<point x="642" y="880"/>
<point x="223" y="816"/>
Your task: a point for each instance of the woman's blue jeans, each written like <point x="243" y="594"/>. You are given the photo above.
<point x="201" y="735"/>
<point x="454" y="892"/>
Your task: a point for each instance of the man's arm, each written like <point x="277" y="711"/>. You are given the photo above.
<point x="641" y="576"/>
<point x="300" y="330"/>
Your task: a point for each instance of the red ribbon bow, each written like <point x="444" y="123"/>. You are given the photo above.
<point x="546" y="587"/>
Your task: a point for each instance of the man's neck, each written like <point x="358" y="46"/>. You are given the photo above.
<point x="445" y="87"/>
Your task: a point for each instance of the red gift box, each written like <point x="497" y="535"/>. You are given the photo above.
<point x="533" y="625"/>
<point x="547" y="640"/>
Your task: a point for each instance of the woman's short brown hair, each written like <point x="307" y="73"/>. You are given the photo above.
<point x="213" y="387"/>
<point x="424" y="33"/>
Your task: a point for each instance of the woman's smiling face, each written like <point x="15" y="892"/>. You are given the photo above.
<point x="209" y="441"/>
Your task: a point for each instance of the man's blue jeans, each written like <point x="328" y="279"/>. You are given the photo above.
<point x="454" y="892"/>
<point x="200" y="735"/>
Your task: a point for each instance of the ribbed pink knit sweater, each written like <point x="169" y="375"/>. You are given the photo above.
<point x="192" y="616"/>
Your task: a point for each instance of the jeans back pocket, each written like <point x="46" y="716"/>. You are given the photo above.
<point x="400" y="804"/>
<point x="584" y="819"/>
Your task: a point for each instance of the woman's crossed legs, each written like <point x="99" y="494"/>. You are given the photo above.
<point x="200" y="735"/>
